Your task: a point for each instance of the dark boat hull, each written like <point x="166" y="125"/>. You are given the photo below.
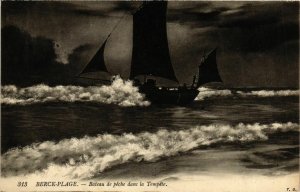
<point x="170" y="96"/>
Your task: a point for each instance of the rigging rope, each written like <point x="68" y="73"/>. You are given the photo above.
<point x="124" y="16"/>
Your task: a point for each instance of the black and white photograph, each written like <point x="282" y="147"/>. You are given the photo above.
<point x="165" y="96"/>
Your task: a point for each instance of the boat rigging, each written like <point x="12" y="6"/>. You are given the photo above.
<point x="151" y="58"/>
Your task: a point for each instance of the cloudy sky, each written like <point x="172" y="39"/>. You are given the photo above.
<point x="257" y="42"/>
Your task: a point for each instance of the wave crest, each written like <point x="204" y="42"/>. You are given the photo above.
<point x="270" y="93"/>
<point x="120" y="92"/>
<point x="209" y="92"/>
<point x="88" y="156"/>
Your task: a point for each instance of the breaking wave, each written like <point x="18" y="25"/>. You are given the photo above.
<point x="270" y="93"/>
<point x="208" y="92"/>
<point x="120" y="92"/>
<point x="87" y="157"/>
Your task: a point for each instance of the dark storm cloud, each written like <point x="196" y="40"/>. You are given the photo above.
<point x="29" y="60"/>
<point x="21" y="8"/>
<point x="249" y="22"/>
<point x="106" y="9"/>
<point x="126" y="6"/>
<point x="196" y="14"/>
<point x="270" y="23"/>
<point x="231" y="14"/>
<point x="251" y="16"/>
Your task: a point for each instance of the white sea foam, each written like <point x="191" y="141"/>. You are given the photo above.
<point x="270" y="93"/>
<point x="89" y="156"/>
<point x="120" y="92"/>
<point x="209" y="92"/>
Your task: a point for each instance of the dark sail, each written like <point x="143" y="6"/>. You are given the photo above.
<point x="150" y="54"/>
<point x="208" y="70"/>
<point x="97" y="62"/>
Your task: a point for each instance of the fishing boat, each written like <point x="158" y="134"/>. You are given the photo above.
<point x="151" y="59"/>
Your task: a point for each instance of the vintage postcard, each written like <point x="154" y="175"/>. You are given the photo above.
<point x="165" y="96"/>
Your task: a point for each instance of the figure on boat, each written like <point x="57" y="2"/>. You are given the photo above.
<point x="151" y="59"/>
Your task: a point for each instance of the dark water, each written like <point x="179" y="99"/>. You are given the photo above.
<point x="250" y="132"/>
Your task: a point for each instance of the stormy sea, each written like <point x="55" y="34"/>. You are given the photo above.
<point x="112" y="132"/>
